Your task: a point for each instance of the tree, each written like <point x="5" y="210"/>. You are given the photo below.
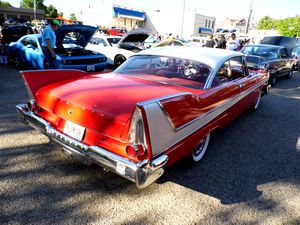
<point x="28" y="4"/>
<point x="61" y="14"/>
<point x="289" y="26"/>
<point x="50" y="11"/>
<point x="267" y="23"/>
<point x="72" y="16"/>
<point x="5" y="4"/>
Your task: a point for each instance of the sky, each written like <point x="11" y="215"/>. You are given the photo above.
<point x="221" y="9"/>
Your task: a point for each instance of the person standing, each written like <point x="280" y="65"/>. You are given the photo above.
<point x="232" y="43"/>
<point x="222" y="42"/>
<point x="49" y="44"/>
<point x="210" y="42"/>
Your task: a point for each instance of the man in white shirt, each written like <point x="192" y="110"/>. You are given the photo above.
<point x="232" y="43"/>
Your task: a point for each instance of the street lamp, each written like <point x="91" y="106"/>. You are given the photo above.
<point x="183" y="11"/>
<point x="249" y="17"/>
<point x="34" y="9"/>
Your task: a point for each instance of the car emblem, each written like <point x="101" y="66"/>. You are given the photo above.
<point x="70" y="111"/>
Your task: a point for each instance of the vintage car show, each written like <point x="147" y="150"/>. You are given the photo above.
<point x="149" y="112"/>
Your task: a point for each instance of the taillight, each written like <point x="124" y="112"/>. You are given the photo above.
<point x="137" y="138"/>
<point x="136" y="150"/>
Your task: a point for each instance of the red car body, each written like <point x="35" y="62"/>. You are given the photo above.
<point x="137" y="125"/>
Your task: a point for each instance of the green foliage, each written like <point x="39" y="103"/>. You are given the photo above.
<point x="60" y="14"/>
<point x="28" y="4"/>
<point x="50" y="12"/>
<point x="287" y="27"/>
<point x="266" y="23"/>
<point x="5" y="4"/>
<point x="72" y="16"/>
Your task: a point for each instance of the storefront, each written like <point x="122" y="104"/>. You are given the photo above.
<point x="20" y="14"/>
<point x="128" y="18"/>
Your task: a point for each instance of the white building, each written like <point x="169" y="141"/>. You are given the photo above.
<point x="163" y="22"/>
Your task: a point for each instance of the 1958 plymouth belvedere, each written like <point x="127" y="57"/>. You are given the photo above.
<point x="155" y="109"/>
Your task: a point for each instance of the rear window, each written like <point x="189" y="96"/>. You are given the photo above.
<point x="173" y="71"/>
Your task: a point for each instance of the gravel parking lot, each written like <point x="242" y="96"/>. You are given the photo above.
<point x="250" y="175"/>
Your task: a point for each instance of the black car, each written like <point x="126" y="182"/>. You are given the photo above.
<point x="13" y="33"/>
<point x="274" y="59"/>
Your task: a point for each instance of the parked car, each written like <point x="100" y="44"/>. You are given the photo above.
<point x="273" y="58"/>
<point x="70" y="52"/>
<point x="296" y="57"/>
<point x="107" y="45"/>
<point x="135" y="41"/>
<point x="158" y="107"/>
<point x="288" y="42"/>
<point x="14" y="32"/>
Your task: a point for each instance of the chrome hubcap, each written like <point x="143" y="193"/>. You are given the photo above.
<point x="199" y="148"/>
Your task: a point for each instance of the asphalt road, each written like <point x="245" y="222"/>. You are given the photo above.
<point x="250" y="174"/>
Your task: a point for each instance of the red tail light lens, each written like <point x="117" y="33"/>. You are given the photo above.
<point x="135" y="150"/>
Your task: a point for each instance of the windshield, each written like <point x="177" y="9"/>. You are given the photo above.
<point x="174" y="71"/>
<point x="265" y="52"/>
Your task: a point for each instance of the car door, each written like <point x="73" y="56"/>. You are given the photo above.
<point x="224" y="93"/>
<point x="285" y="61"/>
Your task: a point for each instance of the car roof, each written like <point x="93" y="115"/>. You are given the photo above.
<point x="264" y="46"/>
<point x="210" y="56"/>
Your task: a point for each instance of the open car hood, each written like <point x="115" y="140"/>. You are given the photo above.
<point x="288" y="42"/>
<point x="84" y="35"/>
<point x="134" y="39"/>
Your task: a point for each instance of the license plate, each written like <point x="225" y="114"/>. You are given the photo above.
<point x="90" y="68"/>
<point x="74" y="130"/>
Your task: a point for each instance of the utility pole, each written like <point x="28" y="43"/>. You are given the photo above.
<point x="249" y="17"/>
<point x="34" y="9"/>
<point x="182" y="24"/>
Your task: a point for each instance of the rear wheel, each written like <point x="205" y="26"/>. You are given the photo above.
<point x="200" y="149"/>
<point x="256" y="104"/>
<point x="119" y="60"/>
<point x="273" y="79"/>
<point x="18" y="64"/>
<point x="289" y="75"/>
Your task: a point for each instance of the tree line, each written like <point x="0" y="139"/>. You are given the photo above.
<point x="289" y="26"/>
<point x="50" y="10"/>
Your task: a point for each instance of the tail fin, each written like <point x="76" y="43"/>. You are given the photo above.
<point x="35" y="79"/>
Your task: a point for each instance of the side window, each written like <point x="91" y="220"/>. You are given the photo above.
<point x="102" y="42"/>
<point x="232" y="69"/>
<point x="24" y="41"/>
<point x="32" y="42"/>
<point x="283" y="53"/>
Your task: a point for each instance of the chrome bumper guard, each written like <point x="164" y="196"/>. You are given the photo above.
<point x="142" y="174"/>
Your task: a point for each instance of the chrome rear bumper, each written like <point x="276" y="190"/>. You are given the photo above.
<point x="142" y="173"/>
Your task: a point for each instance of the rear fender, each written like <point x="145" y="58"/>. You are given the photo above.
<point x="36" y="79"/>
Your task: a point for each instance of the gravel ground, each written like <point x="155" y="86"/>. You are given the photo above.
<point x="250" y="174"/>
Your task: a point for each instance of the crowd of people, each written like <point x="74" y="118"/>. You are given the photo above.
<point x="231" y="43"/>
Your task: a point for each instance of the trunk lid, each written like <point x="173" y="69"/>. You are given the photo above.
<point x="104" y="103"/>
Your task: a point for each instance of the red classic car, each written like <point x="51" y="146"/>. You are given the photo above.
<point x="157" y="108"/>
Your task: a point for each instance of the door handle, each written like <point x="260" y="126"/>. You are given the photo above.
<point x="241" y="85"/>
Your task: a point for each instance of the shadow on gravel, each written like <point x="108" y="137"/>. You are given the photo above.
<point x="257" y="148"/>
<point x="51" y="187"/>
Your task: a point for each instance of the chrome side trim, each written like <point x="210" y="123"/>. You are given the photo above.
<point x="143" y="173"/>
<point x="154" y="100"/>
<point x="161" y="126"/>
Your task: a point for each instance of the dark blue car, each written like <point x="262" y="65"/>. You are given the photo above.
<point x="70" y="52"/>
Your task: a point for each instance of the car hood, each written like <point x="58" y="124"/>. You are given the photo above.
<point x="288" y="42"/>
<point x="104" y="103"/>
<point x="134" y="38"/>
<point x="85" y="34"/>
